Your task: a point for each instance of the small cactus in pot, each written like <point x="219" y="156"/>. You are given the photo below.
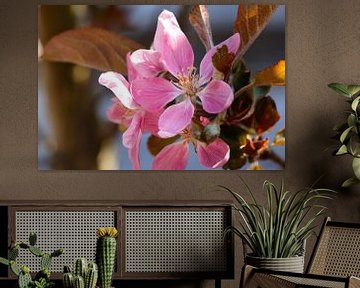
<point x="106" y="255"/>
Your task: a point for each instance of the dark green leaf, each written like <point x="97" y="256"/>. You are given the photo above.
<point x="340" y="88"/>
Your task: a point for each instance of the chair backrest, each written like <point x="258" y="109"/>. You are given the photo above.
<point x="337" y="251"/>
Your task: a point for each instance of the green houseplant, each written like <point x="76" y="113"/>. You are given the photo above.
<point x="349" y="132"/>
<point x="276" y="233"/>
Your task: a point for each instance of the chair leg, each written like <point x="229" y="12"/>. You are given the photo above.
<point x="246" y="273"/>
<point x="250" y="278"/>
<point x="217" y="283"/>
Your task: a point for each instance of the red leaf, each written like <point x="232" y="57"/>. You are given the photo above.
<point x="199" y="19"/>
<point x="91" y="47"/>
<point x="250" y="21"/>
<point x="265" y="115"/>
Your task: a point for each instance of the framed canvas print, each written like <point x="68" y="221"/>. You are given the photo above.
<point x="161" y="87"/>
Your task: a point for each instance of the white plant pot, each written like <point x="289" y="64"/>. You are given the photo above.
<point x="291" y="264"/>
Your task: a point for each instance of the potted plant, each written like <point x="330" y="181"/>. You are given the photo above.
<point x="349" y="132"/>
<point x="276" y="233"/>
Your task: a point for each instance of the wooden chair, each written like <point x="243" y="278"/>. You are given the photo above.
<point x="334" y="263"/>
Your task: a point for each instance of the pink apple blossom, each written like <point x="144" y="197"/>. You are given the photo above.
<point x="173" y="53"/>
<point x="175" y="156"/>
<point x="127" y="112"/>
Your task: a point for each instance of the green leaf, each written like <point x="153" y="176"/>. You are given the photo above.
<point x="355" y="103"/>
<point x="349" y="182"/>
<point x="340" y="89"/>
<point x="342" y="150"/>
<point x="345" y="134"/>
<point x="354" y="145"/>
<point x="351" y="120"/>
<point x="353" y="89"/>
<point x="356" y="167"/>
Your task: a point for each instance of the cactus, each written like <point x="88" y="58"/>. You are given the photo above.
<point x="106" y="254"/>
<point x="4" y="261"/>
<point x="45" y="261"/>
<point x="87" y="272"/>
<point x="32" y="239"/>
<point x="36" y="251"/>
<point x="68" y="280"/>
<point x="80" y="268"/>
<point x="79" y="282"/>
<point x="42" y="278"/>
<point x="91" y="276"/>
<point x="13" y="253"/>
<point x="24" y="280"/>
<point x="14" y="268"/>
<point x="43" y="274"/>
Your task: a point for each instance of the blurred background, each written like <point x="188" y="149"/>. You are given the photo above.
<point x="73" y="131"/>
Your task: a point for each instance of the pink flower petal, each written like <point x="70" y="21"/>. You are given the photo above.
<point x="154" y="93"/>
<point x="173" y="44"/>
<point x="151" y="121"/>
<point x="134" y="154"/>
<point x="119" y="86"/>
<point x="132" y="73"/>
<point x="173" y="157"/>
<point x="132" y="138"/>
<point x="176" y="118"/>
<point x="216" y="97"/>
<point x="206" y="66"/>
<point x="118" y="113"/>
<point x="148" y="63"/>
<point x="133" y="132"/>
<point x="213" y="155"/>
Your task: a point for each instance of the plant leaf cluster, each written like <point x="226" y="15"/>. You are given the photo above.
<point x="348" y="132"/>
<point x="279" y="229"/>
